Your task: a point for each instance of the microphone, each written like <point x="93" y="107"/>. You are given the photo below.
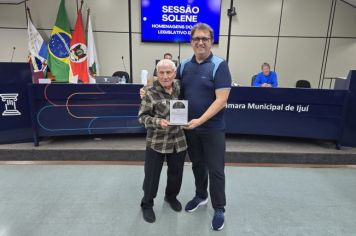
<point x="13" y="52"/>
<point x="123" y="63"/>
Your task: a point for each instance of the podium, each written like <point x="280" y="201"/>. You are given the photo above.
<point x="15" y="122"/>
<point x="349" y="125"/>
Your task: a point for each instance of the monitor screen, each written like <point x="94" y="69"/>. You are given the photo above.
<point x="172" y="21"/>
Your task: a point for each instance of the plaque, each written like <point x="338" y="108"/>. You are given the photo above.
<point x="178" y="112"/>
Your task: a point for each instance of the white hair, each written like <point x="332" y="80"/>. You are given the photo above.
<point x="166" y="62"/>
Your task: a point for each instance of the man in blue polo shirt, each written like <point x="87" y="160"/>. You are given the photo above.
<point x="206" y="82"/>
<point x="266" y="78"/>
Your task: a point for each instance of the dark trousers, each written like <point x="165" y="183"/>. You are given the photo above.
<point x="153" y="166"/>
<point x="207" y="152"/>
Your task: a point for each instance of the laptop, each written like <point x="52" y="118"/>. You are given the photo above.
<point x="107" y="80"/>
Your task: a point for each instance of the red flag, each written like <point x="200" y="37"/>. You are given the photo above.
<point x="78" y="53"/>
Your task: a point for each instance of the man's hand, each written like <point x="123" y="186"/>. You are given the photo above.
<point x="221" y="98"/>
<point x="265" y="85"/>
<point x="193" y="124"/>
<point x="164" y="123"/>
<point x="142" y="93"/>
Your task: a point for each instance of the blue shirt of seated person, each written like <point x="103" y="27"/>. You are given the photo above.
<point x="266" y="78"/>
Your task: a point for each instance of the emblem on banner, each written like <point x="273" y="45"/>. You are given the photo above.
<point x="10" y="104"/>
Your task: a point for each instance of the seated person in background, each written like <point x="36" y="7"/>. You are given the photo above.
<point x="168" y="56"/>
<point x="266" y="78"/>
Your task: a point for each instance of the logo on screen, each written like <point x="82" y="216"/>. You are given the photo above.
<point x="172" y="21"/>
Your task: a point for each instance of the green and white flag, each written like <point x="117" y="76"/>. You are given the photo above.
<point x="92" y="56"/>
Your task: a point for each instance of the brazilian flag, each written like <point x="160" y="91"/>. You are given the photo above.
<point x="58" y="46"/>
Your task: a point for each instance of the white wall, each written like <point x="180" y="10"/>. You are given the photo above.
<point x="298" y="51"/>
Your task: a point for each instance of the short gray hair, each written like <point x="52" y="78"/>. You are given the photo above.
<point x="164" y="62"/>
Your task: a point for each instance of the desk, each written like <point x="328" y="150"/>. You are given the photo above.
<point x="309" y="113"/>
<point x="84" y="109"/>
<point x="78" y="109"/>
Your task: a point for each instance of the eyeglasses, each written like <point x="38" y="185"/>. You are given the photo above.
<point x="203" y="39"/>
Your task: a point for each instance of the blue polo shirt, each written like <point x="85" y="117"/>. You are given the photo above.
<point x="199" y="82"/>
<point x="269" y="79"/>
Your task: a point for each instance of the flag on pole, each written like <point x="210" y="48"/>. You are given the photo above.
<point x="92" y="56"/>
<point x="58" y="46"/>
<point x="78" y="53"/>
<point x="37" y="48"/>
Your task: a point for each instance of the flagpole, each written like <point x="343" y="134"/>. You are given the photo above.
<point x="26" y="13"/>
<point x="86" y="26"/>
<point x="81" y="5"/>
<point x="29" y="14"/>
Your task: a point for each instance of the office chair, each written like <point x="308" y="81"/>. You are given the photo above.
<point x="122" y="74"/>
<point x="253" y="79"/>
<point x="302" y="84"/>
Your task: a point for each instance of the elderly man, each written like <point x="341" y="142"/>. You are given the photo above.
<point x="168" y="56"/>
<point x="162" y="141"/>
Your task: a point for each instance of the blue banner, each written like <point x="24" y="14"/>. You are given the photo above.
<point x="15" y="122"/>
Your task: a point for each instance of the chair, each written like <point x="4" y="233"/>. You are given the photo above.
<point x="122" y="74"/>
<point x="302" y="84"/>
<point x="253" y="79"/>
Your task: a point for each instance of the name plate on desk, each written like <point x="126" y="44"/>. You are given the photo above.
<point x="178" y="112"/>
<point x="44" y="81"/>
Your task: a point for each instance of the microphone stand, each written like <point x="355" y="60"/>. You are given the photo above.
<point x="13" y="52"/>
